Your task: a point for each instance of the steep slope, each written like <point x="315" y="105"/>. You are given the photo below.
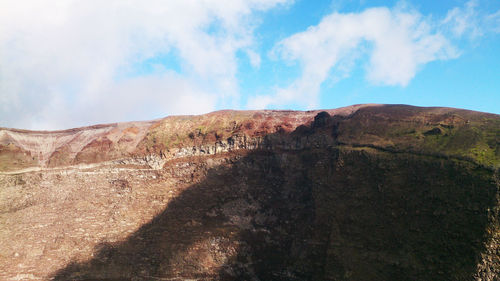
<point x="368" y="192"/>
<point x="30" y="149"/>
<point x="22" y="149"/>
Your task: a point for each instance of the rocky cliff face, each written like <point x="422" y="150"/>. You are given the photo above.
<point x="368" y="192"/>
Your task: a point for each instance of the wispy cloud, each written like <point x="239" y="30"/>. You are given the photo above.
<point x="463" y="20"/>
<point x="493" y="20"/>
<point x="398" y="42"/>
<point x="59" y="59"/>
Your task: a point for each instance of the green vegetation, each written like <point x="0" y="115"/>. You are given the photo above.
<point x="465" y="136"/>
<point x="476" y="140"/>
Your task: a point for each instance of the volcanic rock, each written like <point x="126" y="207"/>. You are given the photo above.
<point x="367" y="192"/>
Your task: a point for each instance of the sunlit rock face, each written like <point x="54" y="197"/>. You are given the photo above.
<point x="367" y="192"/>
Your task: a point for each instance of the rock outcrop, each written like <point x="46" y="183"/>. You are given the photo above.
<point x="368" y="192"/>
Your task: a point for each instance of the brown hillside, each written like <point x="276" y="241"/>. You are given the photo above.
<point x="367" y="192"/>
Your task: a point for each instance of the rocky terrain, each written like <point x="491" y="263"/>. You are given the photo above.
<point x="367" y="192"/>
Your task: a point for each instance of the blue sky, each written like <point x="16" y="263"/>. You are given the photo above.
<point x="74" y="63"/>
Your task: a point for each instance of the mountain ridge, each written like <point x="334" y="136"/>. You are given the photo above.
<point x="130" y="139"/>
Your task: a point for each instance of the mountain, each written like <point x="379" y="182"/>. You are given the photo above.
<point x="366" y="192"/>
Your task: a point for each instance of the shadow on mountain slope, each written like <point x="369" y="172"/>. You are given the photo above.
<point x="324" y="212"/>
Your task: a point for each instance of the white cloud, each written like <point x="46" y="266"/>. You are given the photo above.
<point x="154" y="94"/>
<point x="471" y="22"/>
<point x="397" y="42"/>
<point x="61" y="58"/>
<point x="463" y="20"/>
<point x="254" y="58"/>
